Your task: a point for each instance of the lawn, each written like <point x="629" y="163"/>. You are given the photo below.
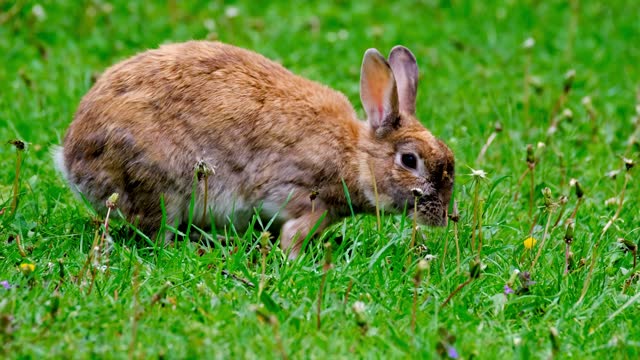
<point x="496" y="77"/>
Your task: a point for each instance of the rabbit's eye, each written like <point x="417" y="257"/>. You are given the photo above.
<point x="410" y="161"/>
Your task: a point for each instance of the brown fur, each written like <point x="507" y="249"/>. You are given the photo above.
<point x="267" y="133"/>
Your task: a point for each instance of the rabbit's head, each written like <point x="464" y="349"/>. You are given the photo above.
<point x="408" y="165"/>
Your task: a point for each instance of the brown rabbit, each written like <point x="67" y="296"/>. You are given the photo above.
<point x="270" y="137"/>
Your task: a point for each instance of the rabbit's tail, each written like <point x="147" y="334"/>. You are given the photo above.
<point x="57" y="154"/>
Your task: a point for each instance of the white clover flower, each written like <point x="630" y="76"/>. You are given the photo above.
<point x="343" y="34"/>
<point x="209" y="24"/>
<point x="231" y="12"/>
<point x="107" y="8"/>
<point x="567" y="113"/>
<point x="359" y="307"/>
<point x="569" y="75"/>
<point x="38" y="12"/>
<point x="517" y="341"/>
<point x="611" y="201"/>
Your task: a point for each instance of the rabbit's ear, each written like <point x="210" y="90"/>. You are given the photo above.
<point x="378" y="92"/>
<point x="405" y="70"/>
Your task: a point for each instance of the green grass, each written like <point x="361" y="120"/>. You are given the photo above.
<point x="472" y="68"/>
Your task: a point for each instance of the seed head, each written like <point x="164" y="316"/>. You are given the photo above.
<point x="628" y="245"/>
<point x="531" y="158"/>
<point x="112" y="201"/>
<point x="567" y="114"/>
<point x="203" y="169"/>
<point x="548" y="200"/>
<point x="536" y="82"/>
<point x="455" y="215"/>
<point x="576" y="184"/>
<point x="475" y="268"/>
<point x="478" y="174"/>
<point x="569" y="76"/>
<point x="19" y="144"/>
<point x="628" y="163"/>
<point x="563" y="200"/>
<point x="428" y="258"/>
<point x="265" y="236"/>
<point x="612" y="174"/>
<point x="568" y="235"/>
<point x="313" y="194"/>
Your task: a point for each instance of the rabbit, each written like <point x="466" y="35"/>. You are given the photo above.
<point x="276" y="144"/>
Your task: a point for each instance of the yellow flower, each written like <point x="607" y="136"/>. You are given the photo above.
<point x="27" y="268"/>
<point x="529" y="243"/>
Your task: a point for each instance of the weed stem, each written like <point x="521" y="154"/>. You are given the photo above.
<point x="20" y="248"/>
<point x="327" y="266"/>
<point x="136" y="314"/>
<point x="455" y="234"/>
<point x="417" y="279"/>
<point x="457" y="290"/>
<point x="476" y="194"/>
<point x="544" y="238"/>
<point x="375" y="193"/>
<point x="19" y="145"/>
<point x="587" y="280"/>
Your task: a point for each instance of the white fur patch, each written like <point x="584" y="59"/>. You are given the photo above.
<point x="57" y="154"/>
<point x="225" y="207"/>
<point x="272" y="209"/>
<point x="384" y="201"/>
<point x="221" y="207"/>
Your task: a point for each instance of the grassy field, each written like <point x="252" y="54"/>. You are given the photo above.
<point x="58" y="300"/>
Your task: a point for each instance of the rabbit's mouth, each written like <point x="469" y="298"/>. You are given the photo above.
<point x="431" y="212"/>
